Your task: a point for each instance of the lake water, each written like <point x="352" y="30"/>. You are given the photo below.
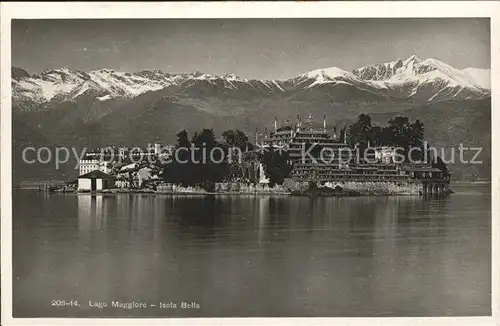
<point x="252" y="256"/>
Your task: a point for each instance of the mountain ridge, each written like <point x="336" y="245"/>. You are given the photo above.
<point x="106" y="107"/>
<point x="400" y="79"/>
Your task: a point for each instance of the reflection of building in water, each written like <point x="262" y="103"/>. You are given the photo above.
<point x="92" y="213"/>
<point x="84" y="213"/>
<point x="95" y="267"/>
<point x="263" y="203"/>
<point x="137" y="213"/>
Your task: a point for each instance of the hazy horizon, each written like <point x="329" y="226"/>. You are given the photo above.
<point x="249" y="48"/>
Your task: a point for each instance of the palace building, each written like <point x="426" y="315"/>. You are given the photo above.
<point x="312" y="152"/>
<point x="317" y="156"/>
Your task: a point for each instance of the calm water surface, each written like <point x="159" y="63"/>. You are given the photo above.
<point x="253" y="256"/>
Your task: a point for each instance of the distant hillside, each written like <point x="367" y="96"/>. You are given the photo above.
<point x="450" y="124"/>
<point x="21" y="171"/>
<point x="106" y="107"/>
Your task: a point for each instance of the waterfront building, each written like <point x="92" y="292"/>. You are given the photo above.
<point x="318" y="157"/>
<point x="87" y="165"/>
<point x="313" y="153"/>
<point x="95" y="181"/>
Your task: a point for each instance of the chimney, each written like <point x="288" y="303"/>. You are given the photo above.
<point x="324" y="123"/>
<point x="275" y="124"/>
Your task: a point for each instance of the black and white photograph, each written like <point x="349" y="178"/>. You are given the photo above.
<point x="249" y="167"/>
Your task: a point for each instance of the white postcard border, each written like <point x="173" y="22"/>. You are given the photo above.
<point x="309" y="9"/>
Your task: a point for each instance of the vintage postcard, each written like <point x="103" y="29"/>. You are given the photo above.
<point x="250" y="163"/>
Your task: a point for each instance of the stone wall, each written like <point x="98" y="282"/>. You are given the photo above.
<point x="177" y="189"/>
<point x="244" y="188"/>
<point x="224" y="188"/>
<point x="294" y="185"/>
<point x="382" y="187"/>
<point x="366" y="188"/>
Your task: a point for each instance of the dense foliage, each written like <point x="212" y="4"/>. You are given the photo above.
<point x="199" y="161"/>
<point x="237" y="138"/>
<point x="276" y="166"/>
<point x="204" y="160"/>
<point x="399" y="132"/>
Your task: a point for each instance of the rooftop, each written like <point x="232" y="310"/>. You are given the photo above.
<point x="96" y="174"/>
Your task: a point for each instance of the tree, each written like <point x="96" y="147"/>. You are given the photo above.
<point x="365" y="122"/>
<point x="385" y="137"/>
<point x="343" y="134"/>
<point x="206" y="138"/>
<point x="236" y="138"/>
<point x="416" y="139"/>
<point x="182" y="139"/>
<point x="359" y="132"/>
<point x="375" y="135"/>
<point x="399" y="127"/>
<point x="209" y="163"/>
<point x="199" y="162"/>
<point x="178" y="171"/>
<point x="276" y="166"/>
<point x="399" y="133"/>
<point x="417" y="134"/>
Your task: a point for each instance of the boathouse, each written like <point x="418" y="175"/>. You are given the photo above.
<point x="95" y="181"/>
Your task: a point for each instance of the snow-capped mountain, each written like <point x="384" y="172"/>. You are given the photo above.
<point x="429" y="79"/>
<point x="64" y="84"/>
<point x="61" y="85"/>
<point x="414" y="69"/>
<point x="331" y="75"/>
<point x="102" y="107"/>
<point x="41" y="88"/>
<point x="481" y="77"/>
<point x="412" y="79"/>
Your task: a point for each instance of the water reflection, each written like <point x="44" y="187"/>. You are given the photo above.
<point x="92" y="214"/>
<point x="263" y="204"/>
<point x="280" y="256"/>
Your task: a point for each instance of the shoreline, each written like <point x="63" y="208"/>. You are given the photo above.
<point x="289" y="188"/>
<point x="200" y="193"/>
<point x="34" y="185"/>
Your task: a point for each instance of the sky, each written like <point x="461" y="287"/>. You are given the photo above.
<point x="249" y="48"/>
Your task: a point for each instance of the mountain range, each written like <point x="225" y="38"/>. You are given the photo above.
<point x="102" y="107"/>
